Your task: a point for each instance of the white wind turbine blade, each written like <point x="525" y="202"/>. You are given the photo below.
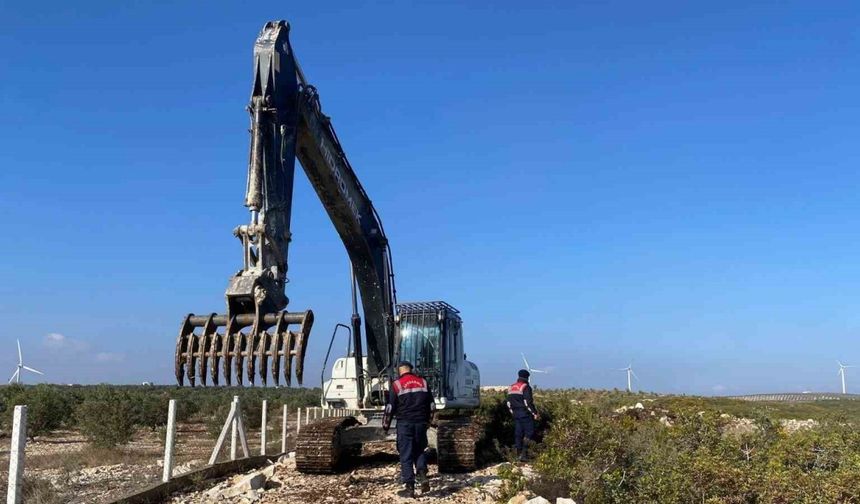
<point x="20" y="359"/>
<point x="526" y="362"/>
<point x="633" y="373"/>
<point x="33" y="370"/>
<point x="538" y="371"/>
<point x="14" y="375"/>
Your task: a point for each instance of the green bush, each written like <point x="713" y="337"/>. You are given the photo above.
<point x="600" y="456"/>
<point x="150" y="409"/>
<point x="48" y="408"/>
<point x="107" y="416"/>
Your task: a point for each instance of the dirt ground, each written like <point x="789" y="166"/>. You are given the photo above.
<point x="80" y="473"/>
<point x="373" y="478"/>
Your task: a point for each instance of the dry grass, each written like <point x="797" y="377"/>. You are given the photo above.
<point x="39" y="491"/>
<point x="91" y="456"/>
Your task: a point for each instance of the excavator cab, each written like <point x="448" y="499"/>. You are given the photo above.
<point x="430" y="336"/>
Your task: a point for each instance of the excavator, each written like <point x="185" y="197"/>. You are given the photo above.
<point x="258" y="337"/>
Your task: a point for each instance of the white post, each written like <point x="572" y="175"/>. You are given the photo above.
<point x="263" y="429"/>
<point x="169" y="441"/>
<point x="284" y="432"/>
<point x="16" y="456"/>
<point x="315" y="413"/>
<point x="235" y="429"/>
<point x="223" y="436"/>
<point x="307" y="416"/>
<point x="298" y="420"/>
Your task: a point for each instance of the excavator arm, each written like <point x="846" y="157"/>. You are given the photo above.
<point x="356" y="222"/>
<point x="287" y="123"/>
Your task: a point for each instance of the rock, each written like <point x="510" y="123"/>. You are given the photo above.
<point x="519" y="498"/>
<point x="186" y="467"/>
<point x="244" y="488"/>
<point x="639" y="406"/>
<point x="538" y="500"/>
<point x="564" y="500"/>
<point x="791" y="426"/>
<point x="268" y="471"/>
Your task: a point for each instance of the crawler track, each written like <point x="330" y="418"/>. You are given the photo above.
<point x="457" y="441"/>
<point x="318" y="448"/>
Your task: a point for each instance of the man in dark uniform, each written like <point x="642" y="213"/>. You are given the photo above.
<point x="412" y="403"/>
<point x="522" y="407"/>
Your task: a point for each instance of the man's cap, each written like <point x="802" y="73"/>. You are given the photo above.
<point x="523" y="373"/>
<point x="405" y="363"/>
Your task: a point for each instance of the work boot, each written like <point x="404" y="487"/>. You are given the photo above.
<point x="408" y="491"/>
<point x="423" y="482"/>
<point x="523" y="456"/>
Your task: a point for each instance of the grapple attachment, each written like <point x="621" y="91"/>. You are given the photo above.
<point x="244" y="341"/>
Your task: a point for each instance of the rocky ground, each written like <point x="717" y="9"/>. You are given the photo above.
<point x="374" y="478"/>
<point x="79" y="473"/>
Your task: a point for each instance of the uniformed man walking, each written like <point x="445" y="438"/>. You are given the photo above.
<point x="522" y="407"/>
<point x="412" y="403"/>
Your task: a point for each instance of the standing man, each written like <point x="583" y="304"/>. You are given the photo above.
<point x="522" y="407"/>
<point x="412" y="403"/>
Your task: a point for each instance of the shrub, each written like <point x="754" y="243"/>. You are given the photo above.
<point x="107" y="416"/>
<point x="150" y="409"/>
<point x="607" y="457"/>
<point x="47" y="408"/>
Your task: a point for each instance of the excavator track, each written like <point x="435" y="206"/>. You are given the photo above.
<point x="319" y="449"/>
<point x="457" y="441"/>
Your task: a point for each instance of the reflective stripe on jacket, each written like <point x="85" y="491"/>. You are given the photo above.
<point x="520" y="401"/>
<point x="410" y="399"/>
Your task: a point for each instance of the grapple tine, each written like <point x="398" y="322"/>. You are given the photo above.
<point x="214" y="356"/>
<point x="226" y="355"/>
<point x="181" y="343"/>
<point x="250" y="346"/>
<point x="205" y="342"/>
<point x="262" y="357"/>
<point x="190" y="347"/>
<point x="288" y="357"/>
<point x="275" y="349"/>
<point x="301" y="344"/>
<point x="238" y="346"/>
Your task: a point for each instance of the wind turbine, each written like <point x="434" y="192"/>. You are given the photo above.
<point x="17" y="376"/>
<point x="531" y="369"/>
<point x="841" y="373"/>
<point x="630" y="376"/>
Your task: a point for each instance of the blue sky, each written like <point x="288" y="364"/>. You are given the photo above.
<point x="672" y="184"/>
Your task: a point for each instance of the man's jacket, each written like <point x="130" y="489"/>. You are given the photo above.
<point x="410" y="399"/>
<point x="520" y="401"/>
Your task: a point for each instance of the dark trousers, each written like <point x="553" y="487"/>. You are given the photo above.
<point x="524" y="427"/>
<point x="412" y="446"/>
